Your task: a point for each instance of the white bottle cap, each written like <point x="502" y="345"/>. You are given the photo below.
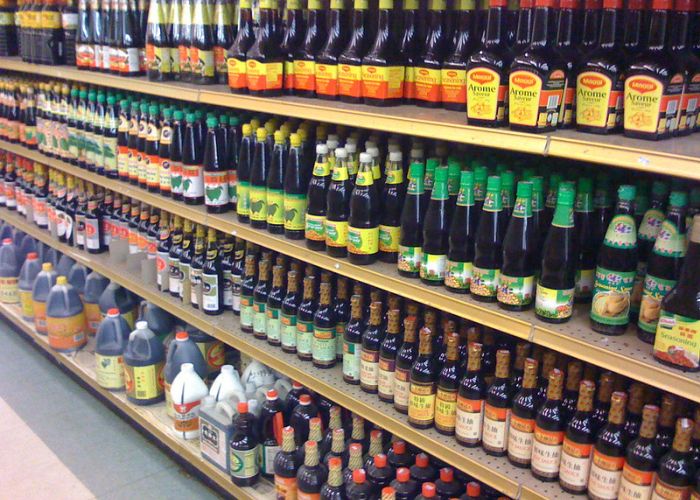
<point x="321" y="149"/>
<point x="395" y="156"/>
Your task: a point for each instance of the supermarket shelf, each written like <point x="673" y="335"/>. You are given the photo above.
<point x="496" y="472"/>
<point x="625" y="354"/>
<point x="679" y="156"/>
<point x="153" y="419"/>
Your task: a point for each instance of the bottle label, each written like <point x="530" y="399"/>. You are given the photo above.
<point x="305" y="335"/>
<point x="635" y="483"/>
<point x="669" y="241"/>
<point x="427" y="84"/>
<point x="470" y="415"/>
<point x="186" y="417"/>
<point x="294" y="211"/>
<point x="446" y="410"/>
<point x="651" y="224"/>
<point x="385" y="377"/>
<point x="275" y="207"/>
<point x="202" y="62"/>
<point x="350" y="80"/>
<point x="336" y="233"/>
<point x="258" y="203"/>
<point x="665" y="491"/>
<point x="164" y="175"/>
<point x="421" y="403"/>
<point x="289" y="331"/>
<point x="546" y="451"/>
<point x="210" y="292"/>
<point x="193" y="181"/>
<point x="289" y="75"/>
<point x="273" y="326"/>
<point x="268" y="454"/>
<point x="236" y="73"/>
<point x="314" y="227"/>
<point x="352" y="353"/>
<point x="554" y="304"/>
<point x="432" y="267"/>
<point x="532" y="102"/>
<point x="66" y="333"/>
<point x="389" y="238"/>
<point x="243" y="194"/>
<point x="585" y="279"/>
<point x="364" y="241"/>
<point x="678" y="340"/>
<point x="520" y="438"/>
<point x="402" y="388"/>
<point x="496" y="426"/>
<point x="244" y="463"/>
<point x="109" y="371"/>
<point x="327" y="79"/>
<point x="263" y="76"/>
<point x="453" y="86"/>
<point x="286" y="487"/>
<point x="484" y="282"/>
<point x="25" y="300"/>
<point x="247" y="311"/>
<point x="458" y="275"/>
<point x="369" y="369"/>
<point x="323" y="345"/>
<point x="382" y="82"/>
<point x="144" y="382"/>
<point x="621" y="233"/>
<point x="597" y="104"/>
<point x="516" y="290"/>
<point x="304" y="75"/>
<point x="158" y="59"/>
<point x="655" y="289"/>
<point x="92" y="234"/>
<point x="409" y="259"/>
<point x="575" y="464"/>
<point x="212" y="443"/>
<point x="647" y="108"/>
<point x="9" y="290"/>
<point x="611" y="296"/>
<point x="216" y="189"/>
<point x="605" y="476"/>
<point x="259" y="318"/>
<point x="176" y="177"/>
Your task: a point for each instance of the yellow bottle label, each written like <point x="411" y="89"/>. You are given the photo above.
<point x="275" y="207"/>
<point x="596" y="100"/>
<point x="294" y="211"/>
<point x="264" y="76"/>
<point x="382" y="82"/>
<point x="304" y="75"/>
<point x="486" y="95"/>
<point x="453" y="86"/>
<point x="389" y="237"/>
<point x="678" y="340"/>
<point x="428" y="84"/>
<point x="646" y="105"/>
<point x="258" y="203"/>
<point x="236" y="73"/>
<point x="9" y="290"/>
<point x="314" y="229"/>
<point x="67" y="334"/>
<point x="144" y="382"/>
<point x="336" y="233"/>
<point x="421" y="403"/>
<point x="25" y="300"/>
<point x="363" y="241"/>
<point x="327" y="79"/>
<point x="534" y="103"/>
<point x="109" y="371"/>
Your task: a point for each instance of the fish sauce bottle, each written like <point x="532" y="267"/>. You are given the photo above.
<point x="338" y="206"/>
<point x="223" y="38"/>
<point x="436" y="232"/>
<point x="488" y="255"/>
<point x="640" y="459"/>
<point x="245" y="469"/>
<point x="549" y="432"/>
<point x="317" y="194"/>
<point x="245" y="161"/>
<point x="259" y="170"/>
<point x="522" y="419"/>
<point x="363" y="223"/>
<point x="192" y="169"/>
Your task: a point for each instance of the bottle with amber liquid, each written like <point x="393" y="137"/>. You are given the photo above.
<point x="549" y="431"/>
<point x="423" y="383"/>
<point x="363" y="223"/>
<point x="522" y="418"/>
<point x="349" y="61"/>
<point x="387" y="356"/>
<point x="578" y="443"/>
<point x="405" y="357"/>
<point x="448" y="386"/>
<point x="371" y="343"/>
<point x="429" y="61"/>
<point x="641" y="459"/>
<point x="305" y="319"/>
<point x="453" y="73"/>
<point x="470" y="400"/>
<point x="676" y="475"/>
<point x="312" y="475"/>
<point x="497" y="408"/>
<point x="352" y="342"/>
<point x="264" y="61"/>
<point x="286" y="465"/>
<point x="609" y="452"/>
<point x="236" y="54"/>
<point x="323" y="348"/>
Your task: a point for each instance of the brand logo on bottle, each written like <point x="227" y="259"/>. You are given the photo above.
<point x="643" y="85"/>
<point x="523" y="81"/>
<point x="371" y="70"/>
<point x="592" y="82"/>
<point x="482" y="77"/>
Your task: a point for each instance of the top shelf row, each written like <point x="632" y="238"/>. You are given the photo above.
<point x="679" y="156"/>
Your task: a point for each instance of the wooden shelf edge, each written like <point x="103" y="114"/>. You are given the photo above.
<point x="680" y="156"/>
<point x="521" y="325"/>
<point x="140" y="415"/>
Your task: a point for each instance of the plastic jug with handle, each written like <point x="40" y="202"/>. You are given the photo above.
<point x="213" y="350"/>
<point x="144" y="359"/>
<point x="227" y="384"/>
<point x="65" y="264"/>
<point x="27" y="275"/>
<point x="77" y="277"/>
<point x="95" y="284"/>
<point x="43" y="284"/>
<point x="65" y="318"/>
<point x="6" y="231"/>
<point x="180" y="351"/>
<point x="216" y="429"/>
<point x="51" y="255"/>
<point x="9" y="272"/>
<point x="160" y="321"/>
<point x="110" y="343"/>
<point x="114" y="295"/>
<point x="28" y="245"/>
<point x="187" y="391"/>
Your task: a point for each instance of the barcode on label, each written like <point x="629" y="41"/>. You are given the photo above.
<point x="692" y="104"/>
<point x="672" y="107"/>
<point x="552" y="101"/>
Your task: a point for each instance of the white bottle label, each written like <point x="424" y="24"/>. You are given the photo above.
<point x="605" y="476"/>
<point x="470" y="415"/>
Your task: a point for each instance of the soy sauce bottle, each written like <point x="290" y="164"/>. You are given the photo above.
<point x="522" y="419"/>
<point x="423" y="381"/>
<point x="549" y="435"/>
<point x="578" y="443"/>
<point x="460" y="256"/>
<point x="312" y="475"/>
<point x="245" y="161"/>
<point x="245" y="470"/>
<point x="676" y="470"/>
<point x="609" y="452"/>
<point x="641" y="459"/>
<point x="305" y="318"/>
<point x="350" y="59"/>
<point x="405" y="358"/>
<point x="488" y="254"/>
<point x="363" y="223"/>
<point x="497" y="407"/>
<point x="412" y="213"/>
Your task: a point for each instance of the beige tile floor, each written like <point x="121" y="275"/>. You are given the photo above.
<point x="59" y="442"/>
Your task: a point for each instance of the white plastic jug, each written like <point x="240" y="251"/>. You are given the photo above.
<point x="227" y="384"/>
<point x="216" y="428"/>
<point x="187" y="392"/>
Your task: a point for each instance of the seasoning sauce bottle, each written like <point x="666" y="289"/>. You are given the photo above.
<point x="470" y="400"/>
<point x="488" y="254"/>
<point x="429" y="61"/>
<point x="497" y="408"/>
<point x="264" y="62"/>
<point x="578" y="443"/>
<point x="387" y="357"/>
<point x="326" y="68"/>
<point x="371" y="343"/>
<point x="423" y="381"/>
<point x="549" y="432"/>
<point x="448" y="385"/>
<point x="641" y="460"/>
<point x="363" y="223"/>
<point x="609" y="452"/>
<point x="522" y="418"/>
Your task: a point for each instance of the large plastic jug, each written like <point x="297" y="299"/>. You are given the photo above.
<point x="27" y="276"/>
<point x="144" y="359"/>
<point x="43" y="284"/>
<point x="65" y="318"/>
<point x="65" y="264"/>
<point x="215" y="430"/>
<point x="116" y="296"/>
<point x="160" y="321"/>
<point x="9" y="272"/>
<point x="52" y="256"/>
<point x="28" y="245"/>
<point x="110" y="343"/>
<point x="213" y="350"/>
<point x="187" y="391"/>
<point x="77" y="277"/>
<point x="95" y="284"/>
<point x="180" y="351"/>
<point x="7" y="231"/>
<point x="227" y="384"/>
<point x="18" y="237"/>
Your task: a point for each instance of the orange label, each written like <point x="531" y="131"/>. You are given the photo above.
<point x="66" y="334"/>
<point x="494" y="413"/>
<point x="577" y="450"/>
<point x="453" y="86"/>
<point x="636" y="476"/>
<point x="428" y="84"/>
<point x="486" y="94"/>
<point x="305" y="75"/>
<point x="236" y="73"/>
<point x="92" y="317"/>
<point x="522" y="424"/>
<point x="39" y="316"/>
<point x="446" y="409"/>
<point x="549" y="437"/>
<point x="186" y="416"/>
<point x="327" y="79"/>
<point x="382" y="82"/>
<point x="669" y="492"/>
<point x="286" y="487"/>
<point x="288" y="75"/>
<point x="263" y="76"/>
<point x="350" y="80"/>
<point x="606" y="462"/>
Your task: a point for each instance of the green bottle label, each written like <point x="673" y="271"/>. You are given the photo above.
<point x="323" y="347"/>
<point x="352" y="352"/>
<point x="516" y="290"/>
<point x="289" y="331"/>
<point x="655" y="289"/>
<point x="484" y="282"/>
<point x="294" y="211"/>
<point x="554" y="304"/>
<point x="259" y="318"/>
<point x="651" y="224"/>
<point x="305" y="335"/>
<point x="611" y="296"/>
<point x="621" y="232"/>
<point x="409" y="259"/>
<point x="247" y="311"/>
<point x="669" y="241"/>
<point x="274" y="324"/>
<point x="458" y="275"/>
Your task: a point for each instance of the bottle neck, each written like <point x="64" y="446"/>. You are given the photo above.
<point x="657" y="30"/>
<point x="495" y="27"/>
<point x="679" y="35"/>
<point x="565" y="28"/>
<point x="541" y="28"/>
<point x="608" y="28"/>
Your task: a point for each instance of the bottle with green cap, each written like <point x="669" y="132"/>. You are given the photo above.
<point x="294" y="191"/>
<point x="554" y="302"/>
<point x="258" y="180"/>
<point x="122" y="140"/>
<point x="550" y="200"/>
<point x="412" y="214"/>
<point x="585" y="251"/>
<point x="430" y="165"/>
<point x="488" y="248"/>
<point x="176" y="150"/>
<point x="72" y="124"/>
<point x="109" y="140"/>
<point x="664" y="265"/>
<point x="97" y="134"/>
<point x="275" y="185"/>
<point x="481" y="173"/>
<point x="537" y="211"/>
<point x="245" y="160"/>
<point x="215" y="173"/>
<point x="516" y="283"/>
<point x="460" y="256"/>
<point x="363" y="225"/>
<point x="616" y="268"/>
<point x="151" y="152"/>
<point x="338" y="206"/>
<point x="192" y="171"/>
<point x="436" y="232"/>
<point x="89" y="130"/>
<point x="392" y="199"/>
<point x="165" y="142"/>
<point x="133" y="142"/>
<point x="141" y="144"/>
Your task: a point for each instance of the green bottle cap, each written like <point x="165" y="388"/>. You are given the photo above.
<point x="466" y="179"/>
<point x="124" y="104"/>
<point x="626" y="192"/>
<point x="168" y="113"/>
<point x="198" y="113"/>
<point x="679" y="199"/>
<point x="585" y="185"/>
<point x="211" y="122"/>
<point x="111" y="100"/>
<point x="144" y="107"/>
<point x="178" y="114"/>
<point x="524" y="189"/>
<point x="74" y="92"/>
<point x="100" y="98"/>
<point x="494" y="183"/>
<point x="480" y="174"/>
<point x="432" y="164"/>
<point x="415" y="170"/>
<point x="440" y="174"/>
<point x="223" y="120"/>
<point x="565" y="195"/>
<point x="153" y="110"/>
<point x="135" y="105"/>
<point x="189" y="117"/>
<point x="234" y="120"/>
<point x="83" y="94"/>
<point x="92" y="95"/>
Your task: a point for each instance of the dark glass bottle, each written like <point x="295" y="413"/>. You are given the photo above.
<point x="522" y="418"/>
<point x="214" y="171"/>
<point x="448" y="386"/>
<point x="447" y="486"/>
<point x="350" y="59"/>
<point x="305" y="58"/>
<point x="357" y="486"/>
<point x="260" y="296"/>
<point x="248" y="282"/>
<point x="423" y="383"/>
<point x="334" y="489"/>
<point x="259" y="170"/>
<point x="158" y="44"/>
<point x="290" y="306"/>
<point x="271" y="432"/>
<point x="488" y="253"/>
<point x="379" y="474"/>
<point x="641" y="459"/>
<point x="323" y="350"/>
<point x="549" y="431"/>
<point x="429" y="61"/>
<point x="295" y="200"/>
<point x="293" y="37"/>
<point x="192" y="169"/>
<point x="664" y="433"/>
<point x="578" y="443"/>
<point x="305" y="319"/>
<point x="372" y="337"/>
<point x="363" y="223"/>
<point x="245" y="470"/>
<point x="338" y="207"/>
<point x="312" y="475"/>
<point x="453" y="74"/>
<point x="236" y="54"/>
<point x="411" y="241"/>
<point x="602" y="401"/>
<point x="460" y="256"/>
<point x="574" y="370"/>
<point x="245" y="161"/>
<point x="264" y="61"/>
<point x="275" y="185"/>
<point x="392" y="201"/>
<point x="223" y="38"/>
<point x="326" y="67"/>
<point x="387" y="356"/>
<point x="300" y="419"/>
<point x="405" y="486"/>
<point x="470" y="400"/>
<point x="286" y="465"/>
<point x="497" y="407"/>
<point x="212" y="280"/>
<point x="586" y="252"/>
<point x="436" y="228"/>
<point x="317" y="200"/>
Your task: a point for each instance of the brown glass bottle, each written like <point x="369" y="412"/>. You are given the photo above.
<point x="350" y="60"/>
<point x="363" y="223"/>
<point x="602" y="400"/>
<point x="305" y="56"/>
<point x="522" y="418"/>
<point x="578" y="443"/>
<point x="264" y="61"/>
<point x="664" y="431"/>
<point x="326" y="69"/>
<point x="641" y="460"/>
<point x="236" y="54"/>
<point x="371" y="343"/>
<point x="497" y="408"/>
<point x="549" y="431"/>
<point x="387" y="356"/>
<point x="448" y="386"/>
<point x="423" y="382"/>
<point x="323" y="348"/>
<point x="429" y="60"/>
<point x="405" y="357"/>
<point x="286" y="465"/>
<point x="305" y="319"/>
<point x="470" y="400"/>
<point x="675" y="477"/>
<point x="311" y="475"/>
<point x="573" y="379"/>
<point x="453" y="73"/>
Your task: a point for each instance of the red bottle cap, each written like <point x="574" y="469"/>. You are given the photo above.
<point x="662" y="4"/>
<point x="305" y="399"/>
<point x="684" y="5"/>
<point x="592" y="4"/>
<point x="428" y="490"/>
<point x="527" y="4"/>
<point x="243" y="407"/>
<point x="446" y="474"/>
<point x="354" y="447"/>
<point x="358" y="476"/>
<point x="388" y="492"/>
<point x="375" y="434"/>
<point x="113" y="312"/>
<point x="473" y="489"/>
<point x="181" y="335"/>
<point x="422" y="460"/>
<point x="498" y="3"/>
<point x="636" y="5"/>
<point x="32" y="256"/>
<point x="271" y="394"/>
<point x="546" y="3"/>
<point x="380" y="460"/>
<point x="403" y="475"/>
<point x="612" y="4"/>
<point x="568" y="4"/>
<point x="7" y="241"/>
<point x="334" y="462"/>
<point x="296" y="385"/>
<point x="399" y="447"/>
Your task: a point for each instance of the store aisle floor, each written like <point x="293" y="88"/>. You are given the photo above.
<point x="60" y="442"/>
